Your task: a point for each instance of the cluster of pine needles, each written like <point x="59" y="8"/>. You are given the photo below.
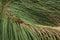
<point x="18" y="19"/>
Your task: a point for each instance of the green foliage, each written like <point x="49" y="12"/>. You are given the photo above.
<point x="37" y="11"/>
<point x="31" y="12"/>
